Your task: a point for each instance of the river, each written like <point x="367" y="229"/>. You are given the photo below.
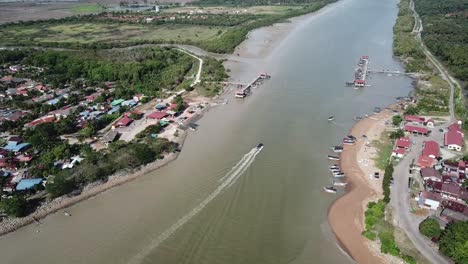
<point x="221" y="201"/>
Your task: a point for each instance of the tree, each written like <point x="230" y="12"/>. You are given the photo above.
<point x="59" y="186"/>
<point x="454" y="241"/>
<point x="180" y="105"/>
<point x="15" y="206"/>
<point x="386" y="182"/>
<point x="396" y="120"/>
<point x="411" y="110"/>
<point x="430" y="228"/>
<point x="397" y="134"/>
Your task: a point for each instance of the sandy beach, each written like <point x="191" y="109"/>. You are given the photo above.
<point x="346" y="215"/>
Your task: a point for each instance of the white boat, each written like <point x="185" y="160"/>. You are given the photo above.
<point x="340" y="175"/>
<point x="337" y="149"/>
<point x="331" y="118"/>
<point x="339" y="183"/>
<point x="330" y="157"/>
<point x="329" y="189"/>
<point x="66" y="213"/>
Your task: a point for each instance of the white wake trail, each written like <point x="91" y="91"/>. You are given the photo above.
<point x="230" y="178"/>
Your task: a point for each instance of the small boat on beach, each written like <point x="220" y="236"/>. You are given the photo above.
<point x="339" y="175"/>
<point x="357" y="118"/>
<point x="347" y="141"/>
<point x="66" y="213"/>
<point x="333" y="167"/>
<point x="331" y="118"/>
<point x="342" y="184"/>
<point x="330" y="157"/>
<point x="337" y="149"/>
<point x="329" y="189"/>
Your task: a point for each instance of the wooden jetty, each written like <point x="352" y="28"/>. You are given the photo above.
<point x="247" y="90"/>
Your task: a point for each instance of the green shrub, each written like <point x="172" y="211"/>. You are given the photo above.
<point x="430" y="228"/>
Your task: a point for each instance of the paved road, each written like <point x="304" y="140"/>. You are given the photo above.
<point x="401" y="193"/>
<point x="401" y="201"/>
<point x="200" y="66"/>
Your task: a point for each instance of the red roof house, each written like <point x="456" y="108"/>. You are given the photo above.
<point x="415" y="129"/>
<point x="42" y="120"/>
<point x="403" y="142"/>
<point x="414" y="119"/>
<point x="123" y="121"/>
<point x="399" y="152"/>
<point x="431" y="149"/>
<point x="425" y="161"/>
<point x="453" y="140"/>
<point x="157" y="115"/>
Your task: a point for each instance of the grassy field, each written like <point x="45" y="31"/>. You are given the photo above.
<point x="384" y="148"/>
<point x="253" y="10"/>
<point x="87" y="8"/>
<point x="109" y="32"/>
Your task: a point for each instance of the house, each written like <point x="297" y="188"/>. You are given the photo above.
<point x="431" y="174"/>
<point x="160" y="107"/>
<point x="113" y="110"/>
<point x="42" y="120"/>
<point x="27" y="184"/>
<point x="415" y="119"/>
<point x="425" y="162"/>
<point x="117" y="102"/>
<point x="403" y="142"/>
<point x="416" y="130"/>
<point x="110" y="136"/>
<point x="453" y="139"/>
<point x="431" y="149"/>
<point x="138" y="97"/>
<point x="157" y="115"/>
<point x="16" y="148"/>
<point x="398" y="153"/>
<point x="124" y="121"/>
<point x="429" y="200"/>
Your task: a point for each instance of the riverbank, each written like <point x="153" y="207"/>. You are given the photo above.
<point x="243" y="66"/>
<point x="346" y="214"/>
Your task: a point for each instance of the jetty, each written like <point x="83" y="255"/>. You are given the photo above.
<point x="361" y="72"/>
<point x="245" y="90"/>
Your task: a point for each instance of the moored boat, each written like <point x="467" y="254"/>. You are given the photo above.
<point x="329" y="189"/>
<point x="330" y="157"/>
<point x="331" y="118"/>
<point x="337" y="149"/>
<point x="339" y="183"/>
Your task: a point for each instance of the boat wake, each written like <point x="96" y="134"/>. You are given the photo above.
<point x="229" y="179"/>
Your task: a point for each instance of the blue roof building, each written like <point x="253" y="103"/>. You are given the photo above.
<point x="12" y="146"/>
<point x="113" y="110"/>
<point x="117" y="102"/>
<point x="26" y="184"/>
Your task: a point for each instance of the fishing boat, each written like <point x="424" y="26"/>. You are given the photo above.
<point x="337" y="149"/>
<point x="339" y="183"/>
<point x="334" y="167"/>
<point x="339" y="175"/>
<point x="259" y="146"/>
<point x="331" y="118"/>
<point x="330" y="157"/>
<point x="329" y="189"/>
<point x="347" y="141"/>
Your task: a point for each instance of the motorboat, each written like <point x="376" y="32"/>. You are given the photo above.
<point x="337" y="149"/>
<point x="331" y="118"/>
<point x="259" y="146"/>
<point x="329" y="189"/>
<point x="342" y="175"/>
<point x="330" y="157"/>
<point x="334" y="167"/>
<point x="339" y="183"/>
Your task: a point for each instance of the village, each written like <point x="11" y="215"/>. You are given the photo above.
<point x="79" y="115"/>
<point x="430" y="162"/>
